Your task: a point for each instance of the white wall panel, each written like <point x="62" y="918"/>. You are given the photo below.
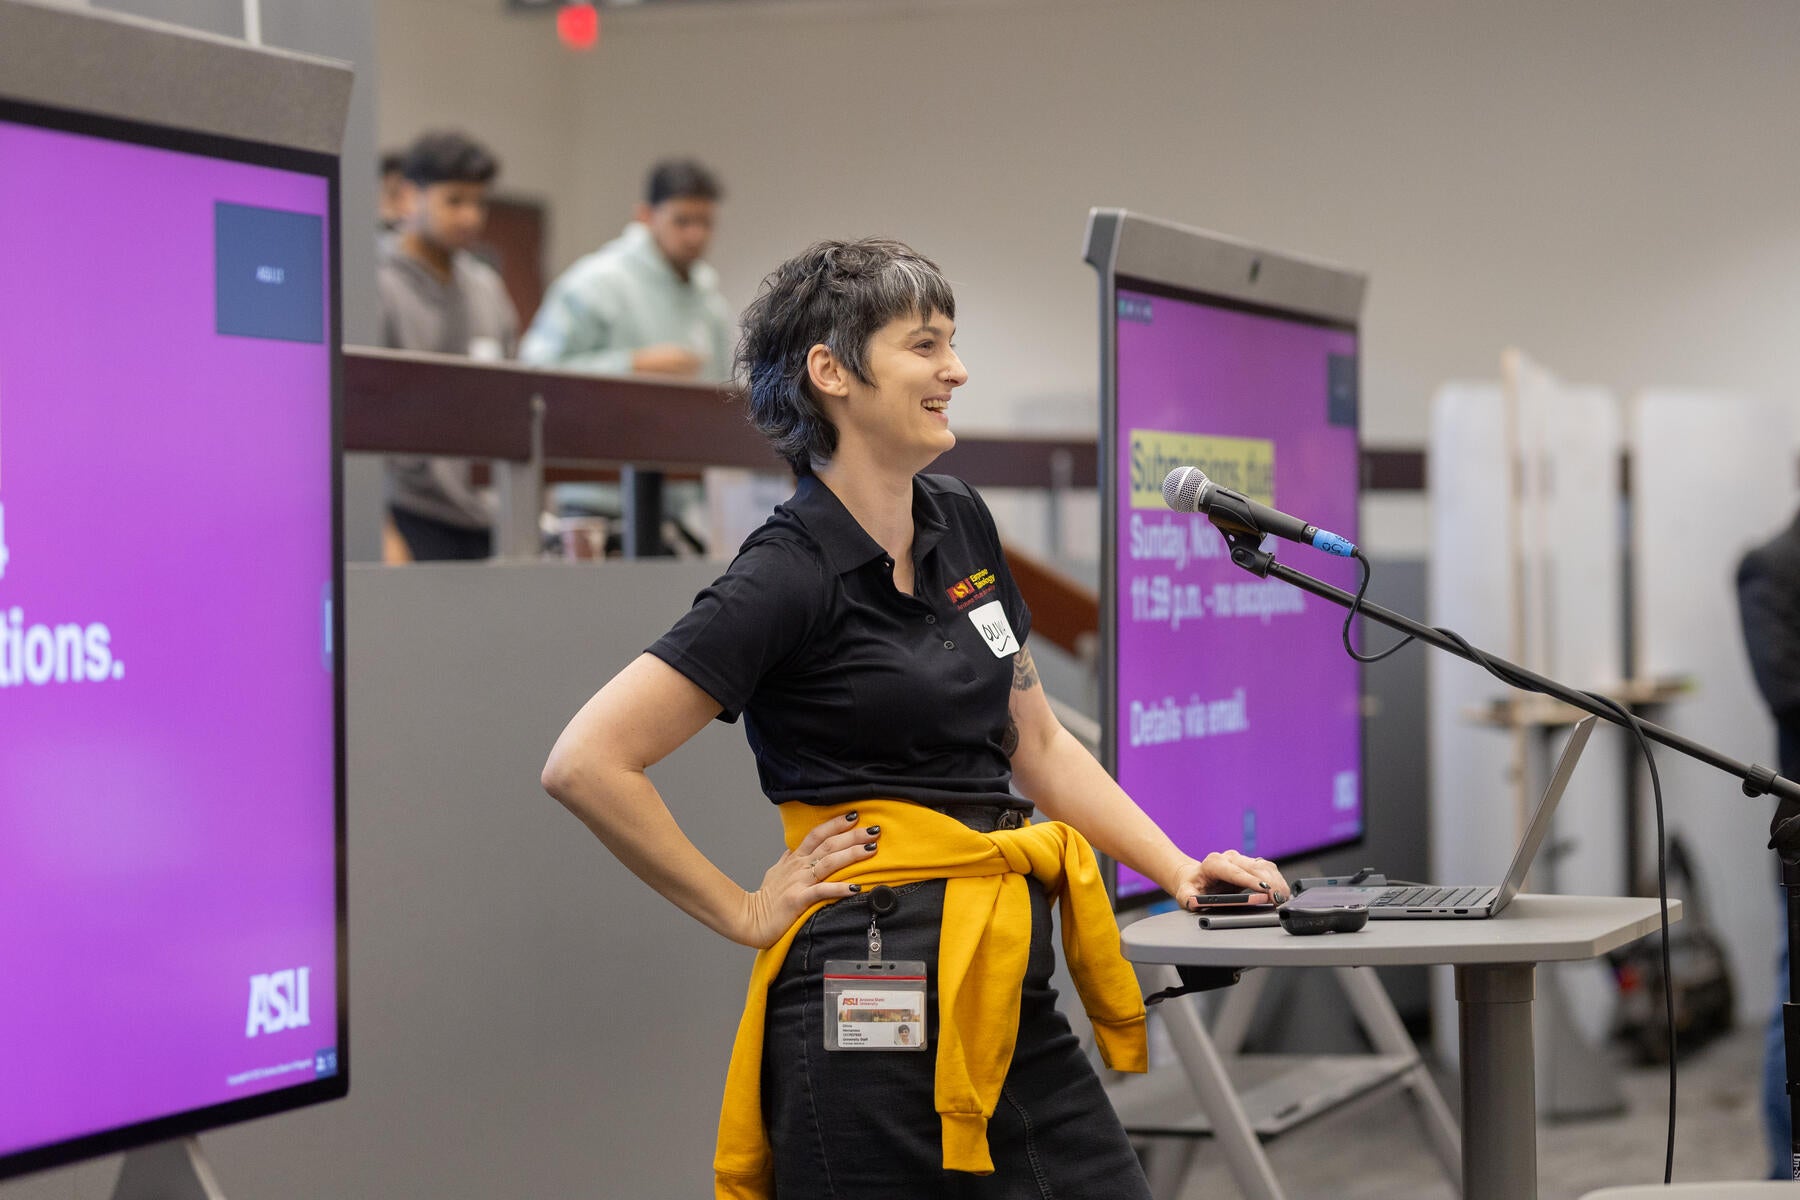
<point x="1713" y="475"/>
<point x="1471" y="577"/>
<point x="1535" y="577"/>
<point x="1570" y="440"/>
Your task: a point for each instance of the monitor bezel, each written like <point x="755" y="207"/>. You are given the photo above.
<point x="336" y="1086"/>
<point x="1144" y="254"/>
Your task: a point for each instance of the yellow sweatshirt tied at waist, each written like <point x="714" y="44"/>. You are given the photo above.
<point x="982" y="953"/>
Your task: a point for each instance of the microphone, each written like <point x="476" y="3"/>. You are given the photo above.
<point x="1187" y="489"/>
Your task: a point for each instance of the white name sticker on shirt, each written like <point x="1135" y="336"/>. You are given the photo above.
<point x="996" y="630"/>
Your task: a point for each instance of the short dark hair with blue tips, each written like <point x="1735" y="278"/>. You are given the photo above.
<point x="836" y="294"/>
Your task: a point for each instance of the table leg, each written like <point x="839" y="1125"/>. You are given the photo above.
<point x="1243" y="1152"/>
<point x="1375" y="1012"/>
<point x="1499" y="1097"/>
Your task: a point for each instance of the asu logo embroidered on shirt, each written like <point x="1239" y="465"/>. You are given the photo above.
<point x="970" y="588"/>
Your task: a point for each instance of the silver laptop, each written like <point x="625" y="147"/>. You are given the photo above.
<point x="1394" y="902"/>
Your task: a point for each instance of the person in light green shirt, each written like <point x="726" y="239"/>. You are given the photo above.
<point x="645" y="301"/>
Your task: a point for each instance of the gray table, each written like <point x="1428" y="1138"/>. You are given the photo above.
<point x="1495" y="963"/>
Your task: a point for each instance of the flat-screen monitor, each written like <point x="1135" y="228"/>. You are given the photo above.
<point x="172" y="936"/>
<point x="1230" y="711"/>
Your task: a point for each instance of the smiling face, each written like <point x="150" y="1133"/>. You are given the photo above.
<point x="900" y="414"/>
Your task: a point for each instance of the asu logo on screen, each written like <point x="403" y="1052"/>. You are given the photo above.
<point x="1244" y="465"/>
<point x="278" y="1001"/>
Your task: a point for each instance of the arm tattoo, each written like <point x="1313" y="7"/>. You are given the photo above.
<point x="1009" y="739"/>
<point x="1025" y="675"/>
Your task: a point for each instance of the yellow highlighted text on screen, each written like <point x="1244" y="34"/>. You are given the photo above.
<point x="1244" y="465"/>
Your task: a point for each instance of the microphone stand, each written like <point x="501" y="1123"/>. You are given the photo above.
<point x="1784" y="827"/>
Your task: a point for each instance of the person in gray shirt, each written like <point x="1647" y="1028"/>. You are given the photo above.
<point x="437" y="296"/>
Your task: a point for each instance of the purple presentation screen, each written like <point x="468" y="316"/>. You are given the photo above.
<point x="1236" y="714"/>
<point x="168" y="813"/>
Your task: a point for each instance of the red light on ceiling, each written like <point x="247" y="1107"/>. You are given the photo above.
<point x="578" y="25"/>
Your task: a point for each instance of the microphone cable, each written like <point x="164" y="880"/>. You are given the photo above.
<point x="1626" y="717"/>
<point x="1355" y="607"/>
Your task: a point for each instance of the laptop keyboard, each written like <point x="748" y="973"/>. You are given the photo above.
<point x="1429" y="897"/>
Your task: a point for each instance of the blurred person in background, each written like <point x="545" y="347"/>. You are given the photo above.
<point x="646" y="301"/>
<point x="1768" y="585"/>
<point x="437" y="296"/>
<point x="390" y="194"/>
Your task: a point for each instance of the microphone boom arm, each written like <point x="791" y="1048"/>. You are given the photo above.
<point x="1757" y="780"/>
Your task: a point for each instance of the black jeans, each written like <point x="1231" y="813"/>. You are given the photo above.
<point x="862" y="1126"/>
<point x="429" y="540"/>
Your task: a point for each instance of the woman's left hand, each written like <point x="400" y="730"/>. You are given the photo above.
<point x="1228" y="871"/>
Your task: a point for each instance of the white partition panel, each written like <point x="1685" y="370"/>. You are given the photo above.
<point x="1570" y="439"/>
<point x="1531" y="574"/>
<point x="1471" y="578"/>
<point x="1712" y="475"/>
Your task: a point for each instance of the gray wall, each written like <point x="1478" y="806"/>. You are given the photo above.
<point x="214" y="16"/>
<point x="1607" y="183"/>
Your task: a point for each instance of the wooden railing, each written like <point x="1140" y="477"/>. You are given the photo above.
<point x="1064" y="612"/>
<point x="540" y="425"/>
<point x="403" y="402"/>
<point x="399" y="402"/>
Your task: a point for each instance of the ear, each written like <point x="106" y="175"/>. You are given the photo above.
<point x="640" y="213"/>
<point x="826" y="374"/>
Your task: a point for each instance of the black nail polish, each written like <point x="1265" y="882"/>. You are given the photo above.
<point x="1263" y="886"/>
<point x="868" y="845"/>
<point x="874" y="829"/>
<point x="856" y="887"/>
<point x="850" y="818"/>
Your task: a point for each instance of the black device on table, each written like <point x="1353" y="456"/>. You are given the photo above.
<point x="1300" y="918"/>
<point x="1213" y="899"/>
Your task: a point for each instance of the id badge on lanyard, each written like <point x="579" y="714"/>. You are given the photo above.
<point x="877" y="1004"/>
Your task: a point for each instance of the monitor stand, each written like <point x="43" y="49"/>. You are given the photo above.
<point x="175" y="1170"/>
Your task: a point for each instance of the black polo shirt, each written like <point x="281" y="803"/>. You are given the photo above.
<point x="849" y="689"/>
